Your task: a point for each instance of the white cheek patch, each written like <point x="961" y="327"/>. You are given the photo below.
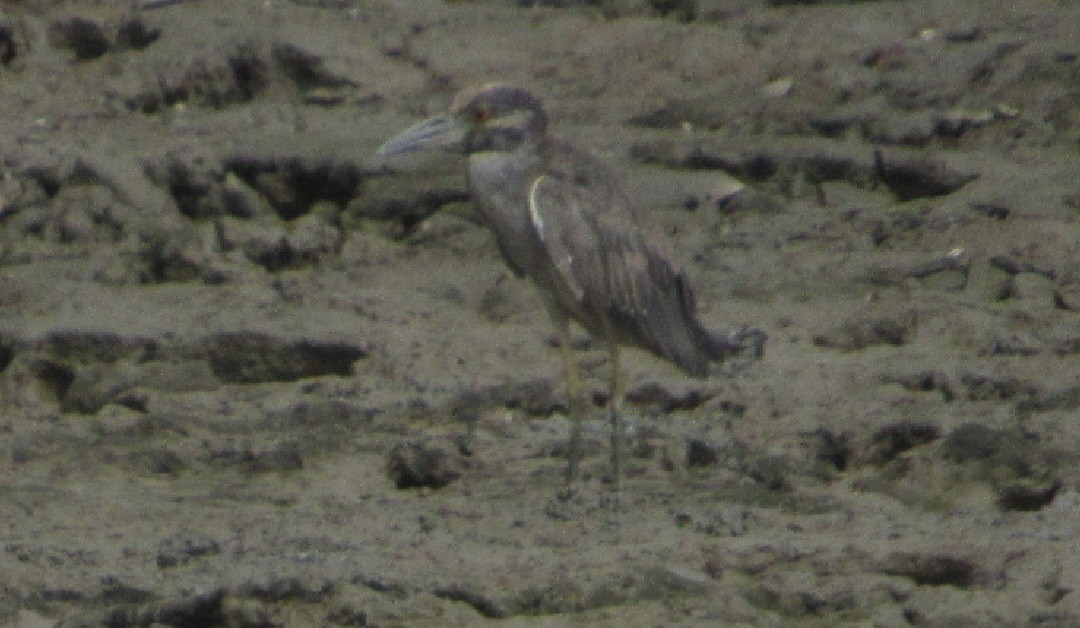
<point x="518" y="119"/>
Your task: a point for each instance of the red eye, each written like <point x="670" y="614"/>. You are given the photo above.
<point x="482" y="115"/>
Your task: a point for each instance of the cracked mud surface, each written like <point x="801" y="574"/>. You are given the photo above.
<point x="251" y="375"/>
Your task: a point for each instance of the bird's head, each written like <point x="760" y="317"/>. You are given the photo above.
<point x="490" y="118"/>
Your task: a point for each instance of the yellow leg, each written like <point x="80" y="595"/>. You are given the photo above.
<point x="574" y="399"/>
<point x="614" y="397"/>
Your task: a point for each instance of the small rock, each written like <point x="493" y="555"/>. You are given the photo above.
<point x="247" y="612"/>
<point x="1012" y="345"/>
<point x="157" y="461"/>
<point x="424" y="464"/>
<point x="30" y="619"/>
<point x="679" y="580"/>
<point x="134" y="34"/>
<point x="262" y="241"/>
<point x="1033" y="289"/>
<point x="85" y="38"/>
<point x="915" y="129"/>
<point x="727" y="522"/>
<point x="277" y="187"/>
<point x="92" y="388"/>
<point x="437" y="228"/>
<point x="191" y="608"/>
<point x="829" y="450"/>
<point x="999" y="208"/>
<point x="660" y="399"/>
<point x="955" y="122"/>
<point x="243" y="201"/>
<point x="177" y="550"/>
<point x="778" y="88"/>
<point x="714" y="567"/>
<point x="535" y="397"/>
<point x="972" y="441"/>
<point x="1028" y="494"/>
<point x="986" y="282"/>
<point x="346" y="614"/>
<point x="324" y="96"/>
<point x="286" y="456"/>
<point x="911" y="175"/>
<point x="923" y="380"/>
<point x="771" y="472"/>
<point x="700" y="454"/>
<point x="277" y="588"/>
<point x="280" y="457"/>
<point x="930" y="569"/>
<point x="868" y="332"/>
<point x="750" y="201"/>
<point x="86" y="214"/>
<point x="115" y="589"/>
<point x="1068" y="298"/>
<point x="896" y="438"/>
<point x="405" y="198"/>
<point x="942" y="606"/>
<point x="248" y="357"/>
<point x="481" y="602"/>
<point x="312" y="238"/>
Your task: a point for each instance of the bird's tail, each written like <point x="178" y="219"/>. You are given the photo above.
<point x="746" y="343"/>
<point x="743" y="342"/>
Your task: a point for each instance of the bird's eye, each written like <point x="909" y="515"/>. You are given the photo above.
<point x="482" y="115"/>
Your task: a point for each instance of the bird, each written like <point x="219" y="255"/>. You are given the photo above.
<point x="562" y="218"/>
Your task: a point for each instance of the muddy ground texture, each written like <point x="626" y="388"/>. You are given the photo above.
<point x="249" y="374"/>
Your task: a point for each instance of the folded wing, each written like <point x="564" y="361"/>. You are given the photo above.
<point x="604" y="269"/>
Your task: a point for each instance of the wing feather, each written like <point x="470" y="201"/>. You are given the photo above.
<point x="604" y="263"/>
<point x="556" y="219"/>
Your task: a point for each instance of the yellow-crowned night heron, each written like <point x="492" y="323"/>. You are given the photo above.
<point x="561" y="218"/>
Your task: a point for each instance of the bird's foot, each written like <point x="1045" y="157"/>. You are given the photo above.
<point x="747" y="346"/>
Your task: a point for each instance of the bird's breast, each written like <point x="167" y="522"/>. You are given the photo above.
<point x="499" y="185"/>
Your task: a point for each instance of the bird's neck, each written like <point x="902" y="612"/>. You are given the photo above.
<point x="524" y="158"/>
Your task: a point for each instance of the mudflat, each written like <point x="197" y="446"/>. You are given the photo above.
<point x="252" y="375"/>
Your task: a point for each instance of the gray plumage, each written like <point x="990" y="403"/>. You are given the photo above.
<point x="561" y="218"/>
